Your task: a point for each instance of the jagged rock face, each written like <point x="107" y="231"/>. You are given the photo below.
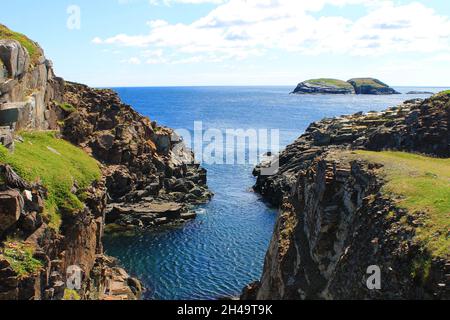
<point x="15" y="58"/>
<point x="10" y="209"/>
<point x="334" y="226"/>
<point x="142" y="161"/>
<point x="334" y="222"/>
<point x="425" y="129"/>
<point x="29" y="89"/>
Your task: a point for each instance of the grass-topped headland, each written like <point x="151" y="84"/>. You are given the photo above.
<point x="419" y="184"/>
<point x="31" y="46"/>
<point x="331" y="82"/>
<point x="58" y="165"/>
<point x="364" y="82"/>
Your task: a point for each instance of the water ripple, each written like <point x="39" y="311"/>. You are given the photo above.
<point x="221" y="251"/>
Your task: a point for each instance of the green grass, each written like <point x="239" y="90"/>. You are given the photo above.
<point x="67" y="107"/>
<point x="331" y="82"/>
<point x="442" y="93"/>
<point x="420" y="184"/>
<point x="28" y="44"/>
<point x="359" y="82"/>
<point x="20" y="257"/>
<point x="57" y="164"/>
<point x="71" y="295"/>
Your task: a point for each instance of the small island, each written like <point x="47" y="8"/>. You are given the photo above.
<point x="353" y="86"/>
<point x="420" y="92"/>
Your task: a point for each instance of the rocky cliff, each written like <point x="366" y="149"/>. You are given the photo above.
<point x="73" y="158"/>
<point x="150" y="175"/>
<point x="27" y="86"/>
<point x="347" y="205"/>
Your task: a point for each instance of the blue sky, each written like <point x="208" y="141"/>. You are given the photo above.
<point x="238" y="42"/>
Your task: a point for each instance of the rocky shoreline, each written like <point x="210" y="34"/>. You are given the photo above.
<point x="335" y="220"/>
<point x="140" y="175"/>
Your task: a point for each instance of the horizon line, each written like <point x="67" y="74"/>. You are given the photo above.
<point x="240" y="86"/>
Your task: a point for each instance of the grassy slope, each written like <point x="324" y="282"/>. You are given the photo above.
<point x="368" y="82"/>
<point x="31" y="46"/>
<point x="331" y="82"/>
<point x="421" y="184"/>
<point x="57" y="164"/>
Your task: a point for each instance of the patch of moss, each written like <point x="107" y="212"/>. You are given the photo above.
<point x="331" y="82"/>
<point x="71" y="295"/>
<point x="67" y="107"/>
<point x="419" y="184"/>
<point x="20" y="256"/>
<point x="421" y="268"/>
<point x="58" y="165"/>
<point x="31" y="46"/>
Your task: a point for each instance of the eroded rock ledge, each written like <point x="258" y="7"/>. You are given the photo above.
<point x="335" y="222"/>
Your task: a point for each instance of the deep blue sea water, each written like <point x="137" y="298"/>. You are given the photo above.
<point x="223" y="249"/>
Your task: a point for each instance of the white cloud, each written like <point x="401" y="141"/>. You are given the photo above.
<point x="238" y="29"/>
<point x="444" y="57"/>
<point x="169" y="2"/>
<point x="97" y="40"/>
<point x="133" y="60"/>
